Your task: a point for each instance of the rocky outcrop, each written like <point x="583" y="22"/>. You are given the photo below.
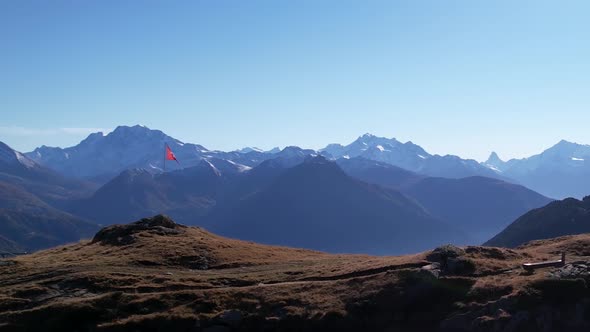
<point x="449" y="260"/>
<point x="574" y="270"/>
<point x="125" y="234"/>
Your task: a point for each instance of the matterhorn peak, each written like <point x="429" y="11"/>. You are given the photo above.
<point x="494" y="159"/>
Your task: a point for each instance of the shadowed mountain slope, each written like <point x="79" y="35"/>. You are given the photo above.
<point x="479" y="206"/>
<point x="567" y="217"/>
<point x="187" y="194"/>
<point x="316" y="205"/>
<point x="29" y="223"/>
<point x="53" y="188"/>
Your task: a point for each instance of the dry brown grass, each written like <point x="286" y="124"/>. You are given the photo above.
<point x="161" y="279"/>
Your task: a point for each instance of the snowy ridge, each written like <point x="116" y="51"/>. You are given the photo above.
<point x="126" y="147"/>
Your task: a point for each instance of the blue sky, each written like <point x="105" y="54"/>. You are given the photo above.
<point x="457" y="77"/>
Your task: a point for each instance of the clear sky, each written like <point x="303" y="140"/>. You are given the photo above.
<point x="458" y="77"/>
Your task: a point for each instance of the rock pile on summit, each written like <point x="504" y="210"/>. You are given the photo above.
<point x="125" y="234"/>
<point x="573" y="270"/>
<point x="449" y="260"/>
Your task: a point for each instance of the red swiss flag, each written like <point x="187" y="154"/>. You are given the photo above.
<point x="170" y="155"/>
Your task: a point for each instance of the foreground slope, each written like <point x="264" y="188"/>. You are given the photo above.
<point x="155" y="275"/>
<point x="567" y="217"/>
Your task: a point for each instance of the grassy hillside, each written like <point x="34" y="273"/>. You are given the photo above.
<point x="155" y="275"/>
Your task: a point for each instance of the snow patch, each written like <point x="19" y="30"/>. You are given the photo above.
<point x="380" y="148"/>
<point x="155" y="167"/>
<point x="24" y="160"/>
<point x="493" y="168"/>
<point x="577" y="159"/>
<point x="346" y="156"/>
<point x="217" y="172"/>
<point x="241" y="168"/>
<point x="421" y="156"/>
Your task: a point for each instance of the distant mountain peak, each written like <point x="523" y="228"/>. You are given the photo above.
<point x="567" y="144"/>
<point x="370" y="137"/>
<point x="567" y="149"/>
<point x="317" y="159"/>
<point x="292" y="150"/>
<point x="136" y="129"/>
<point x="274" y="150"/>
<point x="494" y="159"/>
<point x="407" y="155"/>
<point x="92" y="138"/>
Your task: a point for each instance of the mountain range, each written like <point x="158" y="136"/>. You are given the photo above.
<point x="561" y="171"/>
<point x="373" y="195"/>
<point x="293" y="199"/>
<point x="102" y="156"/>
<point x="558" y="172"/>
<point x="323" y="200"/>
<point x="408" y="156"/>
